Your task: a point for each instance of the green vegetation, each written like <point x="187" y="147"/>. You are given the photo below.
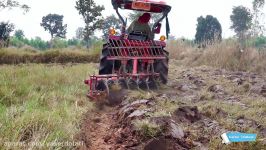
<point x="58" y="43"/>
<point x="36" y="43"/>
<point x="5" y="29"/>
<point x="92" y="16"/>
<point x="147" y="129"/>
<point x="41" y="103"/>
<point x="260" y="42"/>
<point x="241" y="21"/>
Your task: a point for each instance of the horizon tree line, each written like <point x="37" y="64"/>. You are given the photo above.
<point x="246" y="23"/>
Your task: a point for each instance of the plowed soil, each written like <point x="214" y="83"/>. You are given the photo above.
<point x="95" y="128"/>
<point x="191" y="112"/>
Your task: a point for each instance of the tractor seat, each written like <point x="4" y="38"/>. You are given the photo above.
<point x="136" y="35"/>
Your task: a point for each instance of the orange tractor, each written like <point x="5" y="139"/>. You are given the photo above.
<point x="131" y="60"/>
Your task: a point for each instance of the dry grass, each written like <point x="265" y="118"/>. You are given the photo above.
<point x="17" y="56"/>
<point x="225" y="55"/>
<point x="41" y="104"/>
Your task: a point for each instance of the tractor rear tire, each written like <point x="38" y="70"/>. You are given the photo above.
<point x="106" y="66"/>
<point x="161" y="67"/>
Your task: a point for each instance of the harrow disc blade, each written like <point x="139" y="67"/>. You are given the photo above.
<point x="143" y="84"/>
<point x="152" y="84"/>
<point x="123" y="83"/>
<point x="103" y="87"/>
<point x="133" y="85"/>
<point x="116" y="93"/>
<point x="103" y="93"/>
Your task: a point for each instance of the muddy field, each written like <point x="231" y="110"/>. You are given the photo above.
<point x="191" y="112"/>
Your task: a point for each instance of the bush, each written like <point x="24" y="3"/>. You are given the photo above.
<point x="59" y="43"/>
<point x="37" y="43"/>
<point x="260" y="42"/>
<point x="96" y="48"/>
<point x="16" y="42"/>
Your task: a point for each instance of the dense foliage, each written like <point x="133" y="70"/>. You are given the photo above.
<point x="241" y="21"/>
<point x="40" y="44"/>
<point x="92" y="16"/>
<point x="5" y="29"/>
<point x="54" y="24"/>
<point x="209" y="30"/>
<point x="13" y="4"/>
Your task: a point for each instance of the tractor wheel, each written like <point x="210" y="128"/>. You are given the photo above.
<point x="161" y="67"/>
<point x="106" y="66"/>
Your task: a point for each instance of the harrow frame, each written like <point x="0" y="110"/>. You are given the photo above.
<point x="141" y="53"/>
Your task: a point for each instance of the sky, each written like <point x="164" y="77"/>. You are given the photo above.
<point x="183" y="16"/>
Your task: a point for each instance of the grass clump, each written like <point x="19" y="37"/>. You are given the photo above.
<point x="147" y="129"/>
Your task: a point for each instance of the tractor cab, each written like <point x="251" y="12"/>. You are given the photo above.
<point x="147" y="7"/>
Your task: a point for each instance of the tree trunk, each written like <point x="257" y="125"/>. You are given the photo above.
<point x="52" y="42"/>
<point x="87" y="44"/>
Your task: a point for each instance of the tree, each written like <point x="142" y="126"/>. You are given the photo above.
<point x="92" y="16"/>
<point x="241" y="21"/>
<point x="257" y="25"/>
<point x="110" y="21"/>
<point x="19" y="34"/>
<point x="12" y="4"/>
<point x="54" y="24"/>
<point x="209" y="30"/>
<point x="5" y="29"/>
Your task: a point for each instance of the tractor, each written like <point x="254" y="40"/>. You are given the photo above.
<point x="131" y="60"/>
